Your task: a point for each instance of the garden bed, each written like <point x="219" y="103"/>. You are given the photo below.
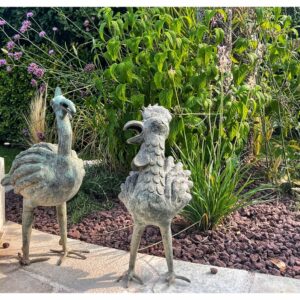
<point x="263" y="238"/>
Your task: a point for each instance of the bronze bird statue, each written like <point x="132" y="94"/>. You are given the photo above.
<point x="157" y="188"/>
<point x="48" y="175"/>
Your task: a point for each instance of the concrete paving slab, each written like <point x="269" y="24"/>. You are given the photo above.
<point x="99" y="272"/>
<point x="274" y="284"/>
<point x="202" y="280"/>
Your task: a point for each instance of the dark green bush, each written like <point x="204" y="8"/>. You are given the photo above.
<point x="15" y="96"/>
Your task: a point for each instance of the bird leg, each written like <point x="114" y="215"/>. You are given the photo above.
<point x="167" y="242"/>
<point x="134" y="245"/>
<point x="62" y="221"/>
<point x="27" y="220"/>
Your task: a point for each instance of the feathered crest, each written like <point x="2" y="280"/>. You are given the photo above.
<point x="152" y="111"/>
<point x="57" y="92"/>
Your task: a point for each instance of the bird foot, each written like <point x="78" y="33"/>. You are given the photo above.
<point x="172" y="276"/>
<point x="26" y="262"/>
<point x="68" y="253"/>
<point x="130" y="276"/>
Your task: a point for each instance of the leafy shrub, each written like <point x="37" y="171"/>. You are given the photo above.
<point x="168" y="56"/>
<point x="14" y="102"/>
<point x="43" y="59"/>
<point x="54" y="17"/>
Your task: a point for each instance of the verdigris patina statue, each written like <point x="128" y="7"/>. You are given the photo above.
<point x="157" y="188"/>
<point x="48" y="175"/>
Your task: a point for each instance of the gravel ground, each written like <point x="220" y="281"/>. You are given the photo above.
<point x="263" y="238"/>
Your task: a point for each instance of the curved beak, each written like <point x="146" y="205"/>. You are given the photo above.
<point x="138" y="127"/>
<point x="69" y="107"/>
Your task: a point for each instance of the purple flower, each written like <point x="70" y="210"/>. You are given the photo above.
<point x="86" y="23"/>
<point x="10" y="54"/>
<point x="32" y="67"/>
<point x="40" y="136"/>
<point x="51" y="52"/>
<point x="18" y="55"/>
<point x="25" y="25"/>
<point x="2" y="62"/>
<point x="10" y="45"/>
<point x="29" y="14"/>
<point x="2" y="22"/>
<point x="8" y="69"/>
<point x="33" y="82"/>
<point x="42" y="34"/>
<point x="42" y="88"/>
<point x="16" y="37"/>
<point x="39" y="72"/>
<point x="54" y="29"/>
<point x="89" y="68"/>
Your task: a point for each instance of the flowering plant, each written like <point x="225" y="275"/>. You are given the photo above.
<point x="45" y="59"/>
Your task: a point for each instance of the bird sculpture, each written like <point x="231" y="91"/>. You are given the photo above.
<point x="157" y="188"/>
<point x="48" y="175"/>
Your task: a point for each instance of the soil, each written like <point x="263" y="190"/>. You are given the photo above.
<point x="262" y="238"/>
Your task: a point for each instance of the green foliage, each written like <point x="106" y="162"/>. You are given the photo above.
<point x="9" y="153"/>
<point x="15" y="96"/>
<point x="81" y="206"/>
<point x="98" y="189"/>
<point x="52" y="17"/>
<point x="164" y="56"/>
<point x="220" y="188"/>
<point x="101" y="184"/>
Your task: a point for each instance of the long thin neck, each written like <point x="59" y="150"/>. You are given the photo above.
<point x="64" y="135"/>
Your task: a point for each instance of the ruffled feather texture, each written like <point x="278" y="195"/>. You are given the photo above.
<point x="44" y="177"/>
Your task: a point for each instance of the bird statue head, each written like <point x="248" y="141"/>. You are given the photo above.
<point x="154" y="126"/>
<point x="62" y="106"/>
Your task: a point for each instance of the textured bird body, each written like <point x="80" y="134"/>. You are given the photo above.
<point x="45" y="178"/>
<point x="48" y="175"/>
<point x="156" y="194"/>
<point x="159" y="188"/>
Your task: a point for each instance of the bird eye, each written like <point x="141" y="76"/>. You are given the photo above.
<point x="65" y="105"/>
<point x="157" y="127"/>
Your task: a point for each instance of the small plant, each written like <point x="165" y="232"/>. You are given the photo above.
<point x="80" y="206"/>
<point x="220" y="188"/>
<point x="98" y="189"/>
<point x="36" y="120"/>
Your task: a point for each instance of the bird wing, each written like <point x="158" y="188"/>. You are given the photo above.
<point x="178" y="185"/>
<point x="30" y="166"/>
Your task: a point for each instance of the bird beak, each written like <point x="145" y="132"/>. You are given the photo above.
<point x="138" y="127"/>
<point x="68" y="107"/>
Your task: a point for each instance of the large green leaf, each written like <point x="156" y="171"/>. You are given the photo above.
<point x="113" y="48"/>
<point x="159" y="60"/>
<point x="165" y="98"/>
<point x="121" y="92"/>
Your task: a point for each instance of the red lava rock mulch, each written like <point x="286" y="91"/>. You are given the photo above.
<point x="263" y="238"/>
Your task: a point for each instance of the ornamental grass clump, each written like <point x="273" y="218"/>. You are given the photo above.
<point x="220" y="188"/>
<point x="36" y="120"/>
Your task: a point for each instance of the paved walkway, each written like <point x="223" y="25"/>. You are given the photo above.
<point x="98" y="273"/>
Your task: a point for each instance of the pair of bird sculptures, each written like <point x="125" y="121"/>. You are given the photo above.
<point x="154" y="192"/>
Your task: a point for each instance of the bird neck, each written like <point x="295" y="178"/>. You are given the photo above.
<point x="64" y="135"/>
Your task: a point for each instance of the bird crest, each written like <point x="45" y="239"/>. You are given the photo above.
<point x="58" y="92"/>
<point x="156" y="111"/>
